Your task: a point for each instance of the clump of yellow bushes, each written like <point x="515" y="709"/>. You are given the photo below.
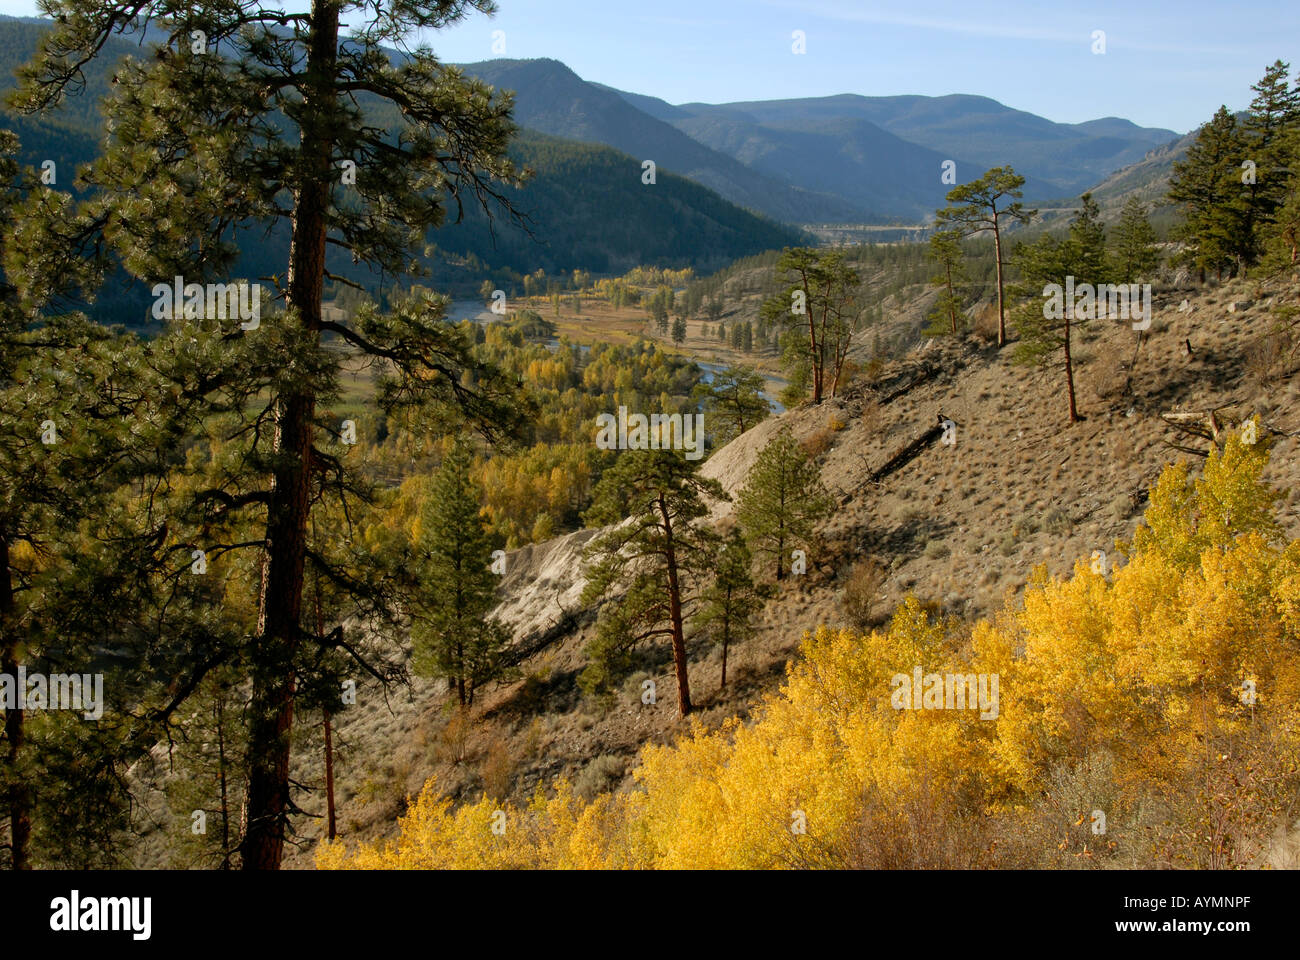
<point x="1161" y="694"/>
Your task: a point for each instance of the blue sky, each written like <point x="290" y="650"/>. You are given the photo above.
<point x="1168" y="63"/>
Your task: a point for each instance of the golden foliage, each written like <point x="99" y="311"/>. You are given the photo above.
<point x="1162" y="694"/>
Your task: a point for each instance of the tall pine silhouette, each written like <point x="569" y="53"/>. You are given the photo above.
<point x="454" y="638"/>
<point x="249" y="117"/>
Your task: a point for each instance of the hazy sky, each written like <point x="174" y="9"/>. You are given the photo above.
<point x="1168" y="63"/>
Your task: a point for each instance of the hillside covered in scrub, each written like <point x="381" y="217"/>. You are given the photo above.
<point x="970" y="499"/>
<point x="681" y="537"/>
<point x="1121" y="687"/>
<point x="1130" y="731"/>
<point x="953" y="536"/>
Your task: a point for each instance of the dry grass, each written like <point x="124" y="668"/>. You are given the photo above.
<point x="452" y="744"/>
<point x="601" y="775"/>
<point x="862" y="591"/>
<point x="1270" y="357"/>
<point x="498" y="770"/>
<point x="997" y="504"/>
<point x="985" y="327"/>
<point x="816" y="444"/>
<point x="1109" y="377"/>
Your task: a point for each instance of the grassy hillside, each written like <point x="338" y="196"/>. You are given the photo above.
<point x="962" y="528"/>
<point x="1148" y="180"/>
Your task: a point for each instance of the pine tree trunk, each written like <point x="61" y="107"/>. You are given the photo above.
<point x="460" y="671"/>
<point x="1069" y="371"/>
<point x="814" y="353"/>
<point x="819" y="358"/>
<point x="675" y="614"/>
<point x="329" y="777"/>
<point x="997" y="252"/>
<point x="18" y="803"/>
<point x="221" y="775"/>
<point x="726" y="639"/>
<point x="780" y="539"/>
<point x="952" y="313"/>
<point x="329" y="730"/>
<point x="280" y="602"/>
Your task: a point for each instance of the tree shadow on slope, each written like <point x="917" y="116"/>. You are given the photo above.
<point x="908" y="539"/>
<point x="558" y="691"/>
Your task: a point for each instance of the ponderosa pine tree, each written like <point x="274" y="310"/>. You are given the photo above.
<point x="76" y="424"/>
<point x="1282" y="239"/>
<point x="1267" y="134"/>
<point x="1134" y="255"/>
<point x="23" y="465"/>
<point x="659" y="306"/>
<point x="974" y="208"/>
<point x="782" y="500"/>
<point x="205" y="795"/>
<point x="453" y="635"/>
<point x="1087" y="234"/>
<point x="945" y="250"/>
<point x="658" y="551"/>
<point x="329" y="684"/>
<point x="693" y="300"/>
<point x="246" y="117"/>
<point x="818" y="311"/>
<point x="1047" y="332"/>
<point x="1207" y="185"/>
<point x="732" y="599"/>
<point x="734" y="396"/>
<point x="85" y="567"/>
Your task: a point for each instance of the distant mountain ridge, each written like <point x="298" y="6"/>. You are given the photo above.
<point x="881" y="156"/>
<point x="552" y="99"/>
<point x="843" y="159"/>
<point x="1069" y="157"/>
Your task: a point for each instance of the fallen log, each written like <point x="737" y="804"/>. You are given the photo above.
<point x="1204" y="425"/>
<point x="925" y="375"/>
<point x="909" y="452"/>
<point x="534" y="643"/>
